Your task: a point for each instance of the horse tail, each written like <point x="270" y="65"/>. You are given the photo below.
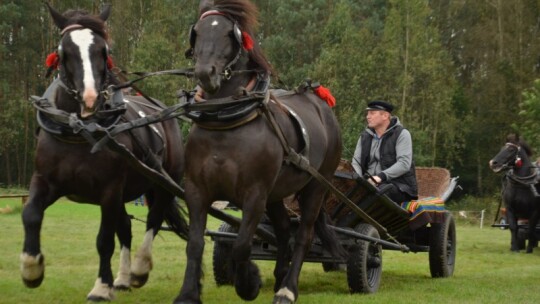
<point x="328" y="237"/>
<point x="175" y="217"/>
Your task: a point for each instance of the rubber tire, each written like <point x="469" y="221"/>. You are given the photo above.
<point x="222" y="260"/>
<point x="364" y="266"/>
<point x="442" y="248"/>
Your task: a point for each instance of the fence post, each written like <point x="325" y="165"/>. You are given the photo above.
<point x="482" y="218"/>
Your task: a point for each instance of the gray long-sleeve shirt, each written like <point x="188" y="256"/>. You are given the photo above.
<point x="404" y="154"/>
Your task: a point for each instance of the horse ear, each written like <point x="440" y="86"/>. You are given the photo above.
<point x="58" y="18"/>
<point x="105" y="13"/>
<point x="204" y="5"/>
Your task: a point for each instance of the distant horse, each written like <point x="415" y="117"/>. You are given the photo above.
<point x="235" y="154"/>
<point x="520" y="192"/>
<point x="64" y="165"/>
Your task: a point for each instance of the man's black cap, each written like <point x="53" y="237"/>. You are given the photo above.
<point x="379" y="105"/>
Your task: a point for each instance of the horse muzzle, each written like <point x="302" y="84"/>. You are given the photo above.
<point x="209" y="79"/>
<point x="89" y="102"/>
<point x="495" y="166"/>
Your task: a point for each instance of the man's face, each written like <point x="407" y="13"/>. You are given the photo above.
<point x="376" y="118"/>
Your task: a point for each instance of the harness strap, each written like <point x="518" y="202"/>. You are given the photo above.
<point x="236" y="124"/>
<point x="165" y="114"/>
<point x="143" y="75"/>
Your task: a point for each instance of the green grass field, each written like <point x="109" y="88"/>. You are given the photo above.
<point x="486" y="271"/>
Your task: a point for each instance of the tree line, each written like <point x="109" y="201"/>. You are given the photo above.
<point x="462" y="73"/>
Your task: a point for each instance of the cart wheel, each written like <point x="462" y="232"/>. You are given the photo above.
<point x="442" y="248"/>
<point x="222" y="260"/>
<point x="364" y="267"/>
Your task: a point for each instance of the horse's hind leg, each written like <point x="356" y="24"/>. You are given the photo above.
<point x="32" y="260"/>
<point x="122" y="281"/>
<point x="310" y="198"/>
<point x="281" y="222"/>
<point x="111" y="212"/>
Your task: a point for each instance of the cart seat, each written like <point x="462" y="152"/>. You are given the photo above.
<point x="435" y="186"/>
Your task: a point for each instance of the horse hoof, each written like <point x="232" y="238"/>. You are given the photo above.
<point x="281" y="300"/>
<point x="249" y="292"/>
<point x="122" y="288"/>
<point x="284" y="296"/>
<point x="32" y="270"/>
<point x="33" y="283"/>
<point x="248" y="281"/>
<point x="138" y="281"/>
<point x="101" y="292"/>
<point x="96" y="299"/>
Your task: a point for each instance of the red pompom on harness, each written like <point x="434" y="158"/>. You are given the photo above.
<point x="110" y="62"/>
<point x="326" y="95"/>
<point x="247" y="42"/>
<point x="52" y="61"/>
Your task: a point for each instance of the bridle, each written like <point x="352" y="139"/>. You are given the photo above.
<point x="517" y="159"/>
<point x="240" y="38"/>
<point x="105" y="91"/>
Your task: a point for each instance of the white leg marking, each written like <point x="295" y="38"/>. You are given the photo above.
<point x="122" y="278"/>
<point x="285" y="292"/>
<point x="31" y="268"/>
<point x="143" y="258"/>
<point x="84" y="39"/>
<point x="101" y="290"/>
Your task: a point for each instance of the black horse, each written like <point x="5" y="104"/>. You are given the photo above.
<point x="234" y="153"/>
<point x="520" y="188"/>
<point x="65" y="166"/>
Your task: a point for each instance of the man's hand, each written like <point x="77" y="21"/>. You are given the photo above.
<point x="375" y="180"/>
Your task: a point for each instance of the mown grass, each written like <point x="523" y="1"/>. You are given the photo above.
<point x="486" y="271"/>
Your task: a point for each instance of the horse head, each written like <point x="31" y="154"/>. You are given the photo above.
<point x="513" y="155"/>
<point x="83" y="59"/>
<point x="222" y="46"/>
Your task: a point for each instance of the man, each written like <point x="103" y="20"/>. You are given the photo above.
<point x="384" y="150"/>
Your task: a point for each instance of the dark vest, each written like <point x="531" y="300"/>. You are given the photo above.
<point x="387" y="150"/>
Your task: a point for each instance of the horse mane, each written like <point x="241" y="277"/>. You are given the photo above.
<point x="83" y="18"/>
<point x="246" y="14"/>
<point x="517" y="140"/>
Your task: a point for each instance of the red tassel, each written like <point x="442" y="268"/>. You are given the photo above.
<point x="247" y="42"/>
<point x="110" y="63"/>
<point x="52" y="61"/>
<point x="326" y="95"/>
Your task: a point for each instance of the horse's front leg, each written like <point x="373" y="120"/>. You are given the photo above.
<point x="247" y="280"/>
<point x="110" y="215"/>
<point x="513" y="227"/>
<point x="281" y="223"/>
<point x="32" y="260"/>
<point x="123" y="231"/>
<point x="198" y="209"/>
